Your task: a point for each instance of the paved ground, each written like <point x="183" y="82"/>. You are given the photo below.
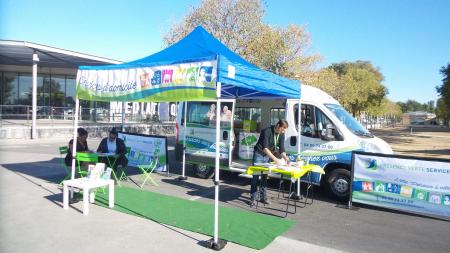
<point x="417" y="141"/>
<point x="32" y="218"/>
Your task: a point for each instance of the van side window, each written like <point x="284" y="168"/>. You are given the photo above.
<point x="276" y="114"/>
<point x="308" y="120"/>
<point x="313" y="120"/>
<point x="322" y="121"/>
<point x="249" y="114"/>
<point x="205" y="113"/>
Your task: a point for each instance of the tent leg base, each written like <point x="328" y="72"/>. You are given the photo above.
<point x="182" y="178"/>
<point x="216" y="246"/>
<point x="294" y="196"/>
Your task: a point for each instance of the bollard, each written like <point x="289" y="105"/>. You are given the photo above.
<point x="411" y="130"/>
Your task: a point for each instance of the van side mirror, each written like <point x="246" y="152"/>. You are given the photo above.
<point x="293" y="140"/>
<point x="338" y="135"/>
<point x="327" y="133"/>
<point x="225" y="135"/>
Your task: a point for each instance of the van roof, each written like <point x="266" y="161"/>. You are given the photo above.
<point x="314" y="94"/>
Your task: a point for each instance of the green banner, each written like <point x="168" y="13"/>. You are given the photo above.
<point x="194" y="81"/>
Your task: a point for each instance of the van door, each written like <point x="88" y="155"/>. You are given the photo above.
<point x="318" y="145"/>
<point x="201" y="132"/>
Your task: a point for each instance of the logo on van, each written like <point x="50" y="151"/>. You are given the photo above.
<point x="249" y="140"/>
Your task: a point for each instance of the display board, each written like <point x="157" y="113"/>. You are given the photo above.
<point x="145" y="149"/>
<point x="405" y="183"/>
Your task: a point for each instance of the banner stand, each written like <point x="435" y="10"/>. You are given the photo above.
<point x="416" y="185"/>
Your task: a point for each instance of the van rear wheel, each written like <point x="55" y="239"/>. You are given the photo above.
<point x="338" y="184"/>
<point x="203" y="171"/>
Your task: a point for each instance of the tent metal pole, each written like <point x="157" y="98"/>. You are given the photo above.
<point x="123" y="116"/>
<point x="183" y="170"/>
<point x="216" y="174"/>
<point x="299" y="139"/>
<point x="75" y="141"/>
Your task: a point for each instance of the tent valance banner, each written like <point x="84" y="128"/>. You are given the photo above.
<point x="184" y="81"/>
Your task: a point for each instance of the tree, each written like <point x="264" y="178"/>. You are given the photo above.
<point x="238" y="24"/>
<point x="442" y="111"/>
<point x="386" y="107"/>
<point x="360" y="85"/>
<point x="443" y="105"/>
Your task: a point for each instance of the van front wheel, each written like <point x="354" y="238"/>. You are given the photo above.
<point x="338" y="184"/>
<point x="203" y="171"/>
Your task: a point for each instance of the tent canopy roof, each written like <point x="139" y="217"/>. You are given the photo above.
<point x="238" y="77"/>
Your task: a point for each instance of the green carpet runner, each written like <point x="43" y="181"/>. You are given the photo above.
<point x="246" y="228"/>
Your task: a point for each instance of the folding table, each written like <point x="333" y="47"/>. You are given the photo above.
<point x="112" y="159"/>
<point x="294" y="172"/>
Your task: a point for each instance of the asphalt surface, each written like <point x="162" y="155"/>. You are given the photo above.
<point x="32" y="218"/>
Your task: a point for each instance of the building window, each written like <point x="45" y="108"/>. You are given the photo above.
<point x="276" y="114"/>
<point x="10" y="88"/>
<point x="25" y="89"/>
<point x="70" y="91"/>
<point x="42" y="94"/>
<point x="56" y="87"/>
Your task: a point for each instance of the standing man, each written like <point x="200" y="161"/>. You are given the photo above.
<point x="113" y="144"/>
<point x="270" y="147"/>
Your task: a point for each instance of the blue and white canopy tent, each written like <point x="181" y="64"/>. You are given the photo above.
<point x="197" y="68"/>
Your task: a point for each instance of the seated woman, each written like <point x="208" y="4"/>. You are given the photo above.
<point x="82" y="145"/>
<point x="113" y="144"/>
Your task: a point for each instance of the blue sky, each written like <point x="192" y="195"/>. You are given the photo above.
<point x="409" y="40"/>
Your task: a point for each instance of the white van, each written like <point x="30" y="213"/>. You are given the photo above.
<point x="329" y="135"/>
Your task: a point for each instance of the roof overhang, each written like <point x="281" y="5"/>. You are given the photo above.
<point x="21" y="53"/>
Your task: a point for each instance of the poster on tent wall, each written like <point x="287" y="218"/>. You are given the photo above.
<point x="146" y="149"/>
<point x="195" y="81"/>
<point x="403" y="183"/>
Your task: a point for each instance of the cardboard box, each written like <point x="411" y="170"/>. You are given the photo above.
<point x="249" y="126"/>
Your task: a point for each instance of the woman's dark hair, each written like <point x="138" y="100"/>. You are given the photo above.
<point x="82" y="132"/>
<point x="283" y="123"/>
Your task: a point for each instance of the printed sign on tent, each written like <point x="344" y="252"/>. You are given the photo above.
<point x="177" y="82"/>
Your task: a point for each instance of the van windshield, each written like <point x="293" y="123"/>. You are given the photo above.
<point x="351" y="123"/>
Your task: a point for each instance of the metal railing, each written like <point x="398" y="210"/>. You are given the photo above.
<point x="22" y="115"/>
<point x="379" y="121"/>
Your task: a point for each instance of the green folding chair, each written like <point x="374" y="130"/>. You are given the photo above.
<point x="147" y="170"/>
<point x="121" y="169"/>
<point x="85" y="157"/>
<point x="63" y="152"/>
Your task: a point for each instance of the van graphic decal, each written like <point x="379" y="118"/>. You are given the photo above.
<point x="249" y="140"/>
<point x="325" y="152"/>
<point x="197" y="144"/>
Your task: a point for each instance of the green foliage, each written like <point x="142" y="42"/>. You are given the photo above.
<point x="414" y="106"/>
<point x="443" y="104"/>
<point x="356" y="85"/>
<point x="239" y="25"/>
<point x="386" y="107"/>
